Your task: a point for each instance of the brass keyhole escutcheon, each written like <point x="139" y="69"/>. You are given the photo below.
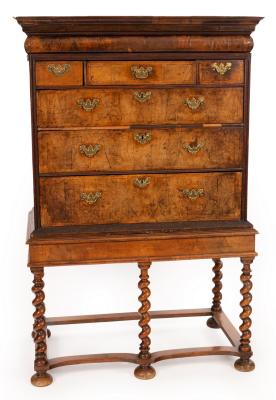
<point x="142" y="138"/>
<point x="142" y="97"/>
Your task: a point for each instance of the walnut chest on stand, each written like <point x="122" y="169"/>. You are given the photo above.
<point x="140" y="154"/>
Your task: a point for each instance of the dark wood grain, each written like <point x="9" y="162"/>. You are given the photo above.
<point x="137" y="44"/>
<point x="126" y="316"/>
<point x="216" y="306"/>
<point x="132" y="358"/>
<point x="244" y="363"/>
<point x="92" y="358"/>
<point x="120" y="72"/>
<point x="208" y="75"/>
<point x="162" y="199"/>
<point x="41" y="364"/>
<point x="144" y="370"/>
<point x="227" y="327"/>
<point x="72" y="76"/>
<point x="142" y="55"/>
<point x="35" y="154"/>
<point x="55" y="250"/>
<point x="120" y="107"/>
<point x="197" y="123"/>
<point x="179" y="148"/>
<point x="194" y="352"/>
<point x="72" y="26"/>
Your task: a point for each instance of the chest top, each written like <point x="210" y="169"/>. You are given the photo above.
<point x="139" y="122"/>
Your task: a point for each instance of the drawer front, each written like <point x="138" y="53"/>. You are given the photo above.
<point x="139" y="149"/>
<point x="117" y="107"/>
<point x="221" y="71"/>
<point x="137" y="199"/>
<point x="59" y="73"/>
<point x="136" y="72"/>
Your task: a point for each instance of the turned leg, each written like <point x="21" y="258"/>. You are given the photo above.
<point x="244" y="363"/>
<point x="41" y="365"/>
<point x="144" y="370"/>
<point x="49" y="333"/>
<point x="217" y="292"/>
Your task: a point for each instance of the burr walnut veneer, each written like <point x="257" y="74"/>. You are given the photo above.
<point x="140" y="149"/>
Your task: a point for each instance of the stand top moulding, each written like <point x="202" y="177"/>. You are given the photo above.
<point x="118" y="34"/>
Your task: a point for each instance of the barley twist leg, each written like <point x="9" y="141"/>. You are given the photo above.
<point x="144" y="370"/>
<point x="41" y="365"/>
<point x="211" y="322"/>
<point x="244" y="363"/>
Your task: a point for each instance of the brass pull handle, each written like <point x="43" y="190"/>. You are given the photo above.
<point x="221" y="68"/>
<point x="192" y="194"/>
<point x="90" y="198"/>
<point x="142" y="96"/>
<point x="141" y="72"/>
<point x="141" y="182"/>
<point x="91" y="150"/>
<point x="193" y="149"/>
<point x="142" y="138"/>
<point x="88" y="104"/>
<point x="194" y="103"/>
<point x="59" y="69"/>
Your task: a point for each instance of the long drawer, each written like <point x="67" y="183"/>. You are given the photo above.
<point x="137" y="199"/>
<point x="139" y="149"/>
<point x="117" y="106"/>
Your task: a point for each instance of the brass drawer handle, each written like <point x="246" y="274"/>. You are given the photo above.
<point x="221" y="68"/>
<point x="142" y="138"/>
<point x="141" y="182"/>
<point x="194" y="103"/>
<point x="193" y="149"/>
<point x="192" y="194"/>
<point x="142" y="96"/>
<point x="59" y="69"/>
<point x="88" y="104"/>
<point x="141" y="72"/>
<point x="90" y="198"/>
<point x="91" y="150"/>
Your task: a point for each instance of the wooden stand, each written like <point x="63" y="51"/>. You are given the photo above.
<point x="63" y="249"/>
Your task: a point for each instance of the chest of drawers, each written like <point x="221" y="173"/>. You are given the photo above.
<point x="140" y="149"/>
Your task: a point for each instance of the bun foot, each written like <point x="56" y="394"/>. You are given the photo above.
<point x="212" y="323"/>
<point x="244" y="365"/>
<point x="144" y="372"/>
<point x="41" y="379"/>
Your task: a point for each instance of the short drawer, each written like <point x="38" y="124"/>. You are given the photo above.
<point x="117" y="107"/>
<point x="59" y="73"/>
<point x="139" y="149"/>
<point x="136" y="72"/>
<point x="137" y="199"/>
<point x="221" y="71"/>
